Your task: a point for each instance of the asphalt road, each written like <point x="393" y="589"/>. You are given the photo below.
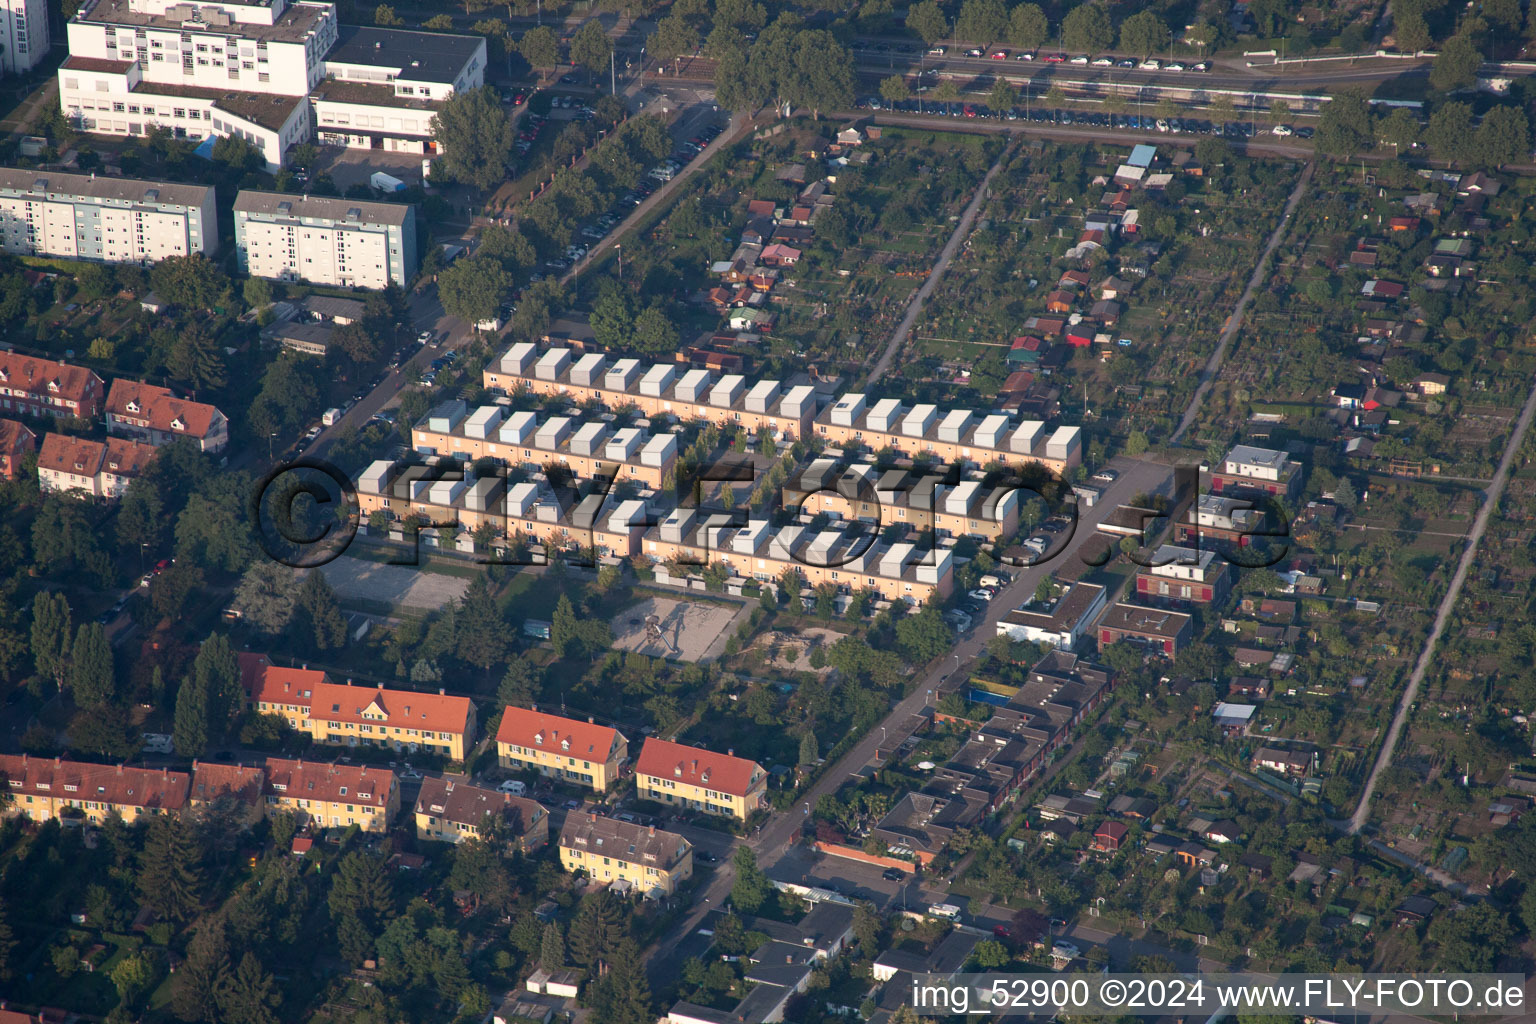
<point x="778" y="835"/>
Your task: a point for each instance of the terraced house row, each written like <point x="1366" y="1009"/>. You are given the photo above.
<point x="863" y="492"/>
<point x="323" y="795"/>
<point x="343" y="714"/>
<point x="656" y="389"/>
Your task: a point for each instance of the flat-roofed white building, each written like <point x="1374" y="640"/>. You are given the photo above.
<point x="383" y="86"/>
<point x="106" y="220"/>
<point x="341" y="242"/>
<point x="197" y="69"/>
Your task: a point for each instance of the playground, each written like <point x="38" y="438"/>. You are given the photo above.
<point x="664" y="628"/>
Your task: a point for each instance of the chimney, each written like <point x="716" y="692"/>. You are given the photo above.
<point x="441" y="692"/>
<point x="730" y="751"/>
<point x="592" y="817"/>
<point x="591" y="720"/>
<point x="651" y="831"/>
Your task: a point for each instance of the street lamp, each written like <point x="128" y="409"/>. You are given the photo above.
<point x="270" y="437"/>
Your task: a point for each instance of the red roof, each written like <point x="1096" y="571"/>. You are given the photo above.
<point x="145" y="405"/>
<point x="78" y="456"/>
<point x="213" y="781"/>
<point x="47" y="379"/>
<point x="273" y="684"/>
<point x="760" y="207"/>
<point x="157" y="788"/>
<point x="1028" y="344"/>
<point x="1111" y="830"/>
<point x="526" y="727"/>
<point x="698" y="767"/>
<point x="1018" y="381"/>
<point x="317" y="780"/>
<point x="436" y="712"/>
<point x="302" y="844"/>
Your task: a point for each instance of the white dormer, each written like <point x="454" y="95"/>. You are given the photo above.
<point x="133" y="405"/>
<point x="178" y="424"/>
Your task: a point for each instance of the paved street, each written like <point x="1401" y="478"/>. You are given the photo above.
<point x="780" y="833"/>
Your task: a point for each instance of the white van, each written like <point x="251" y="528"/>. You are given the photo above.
<point x="330" y="417"/>
<point x="514" y="787"/>
<point x="948" y="911"/>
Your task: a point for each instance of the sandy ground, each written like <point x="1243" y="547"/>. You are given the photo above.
<point x="792" y="650"/>
<point x="404" y="585"/>
<point x="691" y="627"/>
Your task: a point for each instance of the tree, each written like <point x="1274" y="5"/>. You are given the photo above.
<point x="1144" y="33"/>
<point x="250" y="995"/>
<point x="1028" y="27"/>
<point x="480" y="633"/>
<point x="65" y="540"/>
<point x="170" y="879"/>
<point x="1503" y="137"/>
<point x="384" y="16"/>
<point x="473" y="289"/>
<point x="51" y="631"/>
<point x="893" y="89"/>
<point x="476" y="136"/>
<point x="563" y="626"/>
<point x="751" y="888"/>
<point x="141" y="515"/>
<point x="810" y="750"/>
<point x="213" y="530"/>
<point x="1457" y="64"/>
<point x="1399" y="129"/>
<point x="540" y="47"/>
<point x="518" y="685"/>
<point x="190" y="281"/>
<point x="133" y="976"/>
<point x="196" y="359"/>
<point x="596" y="931"/>
<point x="1087" y="28"/>
<point x="1449" y="132"/>
<point x="1003" y="97"/>
<point x="1345" y="125"/>
<point x="552" y="948"/>
<point x="924" y="636"/>
<point x="361" y="901"/>
<point x="926" y="18"/>
<point x="590" y="47"/>
<point x="673" y="38"/>
<point x="317" y="605"/>
<point x="267" y="596"/>
<point x="624" y="996"/>
<point x="196" y="984"/>
<point x="654" y="334"/>
<point x="91" y="675"/>
<point x="191" y="726"/>
<point x="7" y="944"/>
<point x="981" y="21"/>
<point x="444" y="23"/>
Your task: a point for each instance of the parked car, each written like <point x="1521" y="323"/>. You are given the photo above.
<point x="1282" y="130"/>
<point x="974" y="51"/>
<point x="1079" y="60"/>
<point x="1151" y="64"/>
<point x="705" y="856"/>
<point x="980" y="595"/>
<point x="1000" y="55"/>
<point x="893" y="874"/>
<point x="1103" y="62"/>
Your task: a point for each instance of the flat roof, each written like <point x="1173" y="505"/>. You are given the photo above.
<point x="369" y="94"/>
<point x="293" y="26"/>
<point x="418" y="56"/>
<point x="283" y="204"/>
<point x="268" y="110"/>
<point x="128" y="190"/>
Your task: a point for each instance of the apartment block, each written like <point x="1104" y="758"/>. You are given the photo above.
<point x="99" y="469"/>
<point x="24" y="35"/>
<point x="229" y="787"/>
<point x="851" y="558"/>
<point x="383" y="86"/>
<point x="643" y="859"/>
<point x="530" y="511"/>
<point x="401" y="720"/>
<point x="700" y="780"/>
<point x="954" y="436"/>
<point x="1184" y="575"/>
<point x="866" y="494"/>
<point x="155" y="416"/>
<point x="16" y="443"/>
<point x="584" y="449"/>
<point x="1152" y="629"/>
<point x="35" y="387"/>
<point x="43" y="788"/>
<point x="339" y="242"/>
<point x="570" y="750"/>
<point x="655" y="389"/>
<point x="340" y="713"/>
<point x="452" y="810"/>
<point x="1061" y="622"/>
<point x="1257" y="471"/>
<point x="1219" y="522"/>
<point x="200" y="70"/>
<point x="332" y="795"/>
<point x="102" y="219"/>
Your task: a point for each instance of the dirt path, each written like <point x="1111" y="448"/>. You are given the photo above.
<point x="1235" y="321"/>
<point x="1447" y="605"/>
<point x="961" y="232"/>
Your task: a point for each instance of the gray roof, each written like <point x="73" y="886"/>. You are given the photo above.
<point x="623" y="841"/>
<point x="417" y="56"/>
<point x="127" y="190"/>
<point x="282" y="204"/>
<point x="332" y="306"/>
<point x="294" y="25"/>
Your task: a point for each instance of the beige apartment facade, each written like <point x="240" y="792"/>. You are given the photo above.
<point x="340" y="242"/>
<point x="571" y="750"/>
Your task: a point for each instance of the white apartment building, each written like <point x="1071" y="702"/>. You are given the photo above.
<point x="383" y="86"/>
<point x="24" y="38"/>
<point x="223" y="68"/>
<point x="198" y="69"/>
<point x="339" y="242"/>
<point x="106" y="220"/>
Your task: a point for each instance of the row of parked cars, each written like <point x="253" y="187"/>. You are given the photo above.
<point x="1133" y="122"/>
<point x="1082" y="60"/>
